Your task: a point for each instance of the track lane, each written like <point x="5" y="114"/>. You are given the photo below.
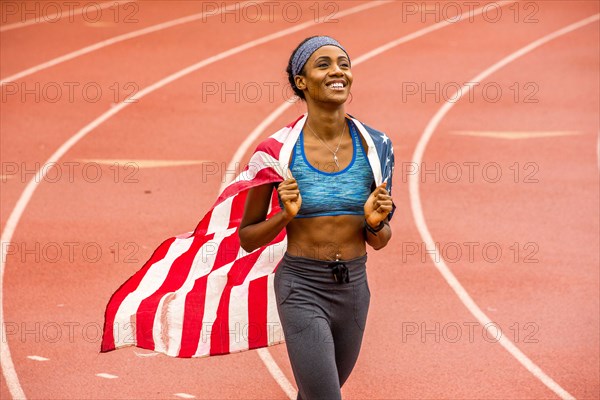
<point x="477" y="382"/>
<point x="185" y="222"/>
<point x="194" y="218"/>
<point x="31" y="125"/>
<point x="26" y="14"/>
<point x="22" y="48"/>
<point x="516" y="394"/>
<point x="542" y="303"/>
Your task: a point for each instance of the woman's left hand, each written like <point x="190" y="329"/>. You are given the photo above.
<point x="378" y="205"/>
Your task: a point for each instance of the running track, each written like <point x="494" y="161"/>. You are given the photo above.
<point x="541" y="213"/>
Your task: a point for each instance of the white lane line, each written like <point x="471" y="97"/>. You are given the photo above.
<point x="185" y="395"/>
<point x="144" y="355"/>
<point x="141" y="163"/>
<point x="251" y="138"/>
<point x="415" y="202"/>
<point x="123" y="37"/>
<point x="56" y="16"/>
<point x="8" y="368"/>
<point x="106" y="376"/>
<point x="259" y="130"/>
<point x="277" y="373"/>
<point x="38" y="358"/>
<point x="264" y="353"/>
<point x="513" y="135"/>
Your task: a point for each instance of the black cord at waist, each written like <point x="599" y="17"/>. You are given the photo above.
<point x="340" y="272"/>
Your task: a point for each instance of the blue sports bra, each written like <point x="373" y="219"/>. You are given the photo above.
<point x="336" y="193"/>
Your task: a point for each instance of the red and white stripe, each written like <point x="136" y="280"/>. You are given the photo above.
<point x="201" y="294"/>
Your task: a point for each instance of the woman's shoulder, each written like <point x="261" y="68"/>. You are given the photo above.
<point x="375" y="134"/>
<point x="273" y="143"/>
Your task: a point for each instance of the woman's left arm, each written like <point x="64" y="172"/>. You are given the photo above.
<point x="377" y="208"/>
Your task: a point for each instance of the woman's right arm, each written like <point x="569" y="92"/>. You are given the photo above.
<point x="256" y="231"/>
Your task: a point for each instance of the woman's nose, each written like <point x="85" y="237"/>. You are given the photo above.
<point x="335" y="69"/>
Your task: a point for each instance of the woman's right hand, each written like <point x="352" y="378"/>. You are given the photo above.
<point x="290" y="196"/>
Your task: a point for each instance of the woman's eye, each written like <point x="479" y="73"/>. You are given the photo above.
<point x="322" y="65"/>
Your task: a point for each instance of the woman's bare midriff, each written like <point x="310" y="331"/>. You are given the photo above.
<point x="325" y="237"/>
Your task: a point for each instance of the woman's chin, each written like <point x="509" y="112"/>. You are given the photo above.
<point x="341" y="99"/>
<point x="327" y="95"/>
<point x="332" y="98"/>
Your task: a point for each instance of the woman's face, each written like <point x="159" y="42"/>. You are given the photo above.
<point x="327" y="76"/>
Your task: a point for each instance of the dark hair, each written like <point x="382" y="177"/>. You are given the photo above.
<point x="297" y="91"/>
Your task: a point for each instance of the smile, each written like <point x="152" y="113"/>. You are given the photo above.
<point x="336" y="85"/>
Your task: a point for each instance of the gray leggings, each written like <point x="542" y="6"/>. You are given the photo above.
<point x="323" y="321"/>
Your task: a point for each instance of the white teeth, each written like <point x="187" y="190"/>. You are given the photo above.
<point x="336" y="85"/>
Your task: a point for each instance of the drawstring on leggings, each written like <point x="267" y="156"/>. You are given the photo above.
<point x="340" y="271"/>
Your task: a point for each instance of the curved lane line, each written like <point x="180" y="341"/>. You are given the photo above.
<point x="121" y="38"/>
<point x="415" y="202"/>
<point x="264" y="353"/>
<point x="277" y="374"/>
<point x="259" y="130"/>
<point x="8" y="369"/>
<point x="51" y="18"/>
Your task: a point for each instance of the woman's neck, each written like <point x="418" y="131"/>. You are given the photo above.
<point x="327" y="123"/>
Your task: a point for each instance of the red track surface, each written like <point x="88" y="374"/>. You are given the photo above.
<point x="549" y="308"/>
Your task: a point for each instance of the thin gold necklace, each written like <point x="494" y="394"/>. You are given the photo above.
<point x="335" y="157"/>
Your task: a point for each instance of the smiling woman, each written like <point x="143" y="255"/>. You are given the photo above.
<point x="336" y="200"/>
<point x="187" y="299"/>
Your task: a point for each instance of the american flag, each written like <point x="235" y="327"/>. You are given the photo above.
<point x="200" y="294"/>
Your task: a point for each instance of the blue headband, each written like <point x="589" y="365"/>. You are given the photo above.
<point x="302" y="55"/>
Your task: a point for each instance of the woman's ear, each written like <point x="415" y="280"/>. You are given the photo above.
<point x="300" y="82"/>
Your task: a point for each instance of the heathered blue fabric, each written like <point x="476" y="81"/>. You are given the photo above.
<point x="332" y="193"/>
